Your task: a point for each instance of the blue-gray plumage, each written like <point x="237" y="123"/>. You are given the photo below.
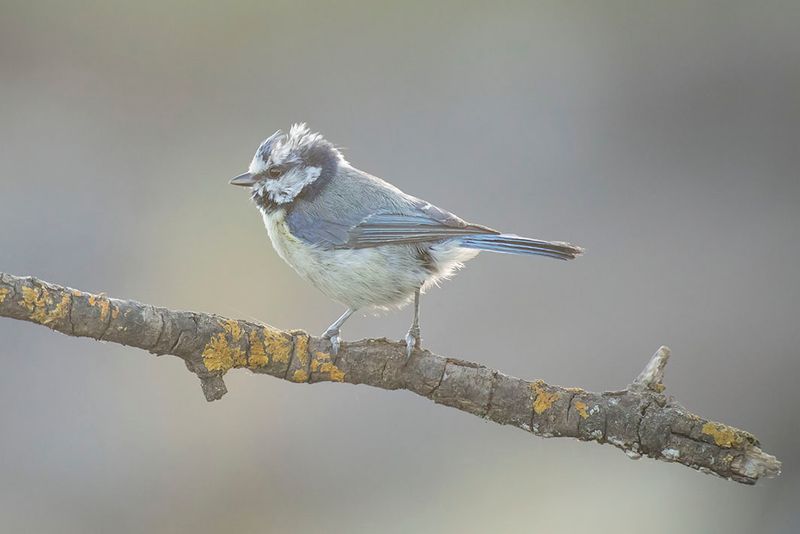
<point x="359" y="239"/>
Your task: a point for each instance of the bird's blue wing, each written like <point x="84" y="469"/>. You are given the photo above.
<point x="324" y="232"/>
<point x="421" y="223"/>
<point x="360" y="211"/>
<point x="391" y="228"/>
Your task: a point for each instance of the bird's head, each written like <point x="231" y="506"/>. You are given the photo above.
<point x="288" y="165"/>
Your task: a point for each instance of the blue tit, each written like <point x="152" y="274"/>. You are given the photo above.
<point x="359" y="239"/>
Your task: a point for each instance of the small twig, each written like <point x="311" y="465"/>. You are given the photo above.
<point x="652" y="375"/>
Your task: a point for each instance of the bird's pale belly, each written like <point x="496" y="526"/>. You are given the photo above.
<point x="384" y="276"/>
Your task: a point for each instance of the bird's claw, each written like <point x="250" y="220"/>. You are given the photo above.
<point x="333" y="337"/>
<point x="335" y="345"/>
<point x="413" y="341"/>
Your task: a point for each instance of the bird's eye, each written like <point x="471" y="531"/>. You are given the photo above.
<point x="275" y="172"/>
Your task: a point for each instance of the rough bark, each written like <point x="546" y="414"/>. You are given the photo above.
<point x="640" y="420"/>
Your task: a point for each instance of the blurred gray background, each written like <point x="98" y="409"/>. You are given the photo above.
<point x="662" y="136"/>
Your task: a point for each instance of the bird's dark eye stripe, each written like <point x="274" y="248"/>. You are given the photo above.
<point x="275" y="171"/>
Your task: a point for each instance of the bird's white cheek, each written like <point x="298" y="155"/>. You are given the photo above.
<point x="260" y="189"/>
<point x="291" y="184"/>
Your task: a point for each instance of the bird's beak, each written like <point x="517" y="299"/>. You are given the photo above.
<point x="244" y="180"/>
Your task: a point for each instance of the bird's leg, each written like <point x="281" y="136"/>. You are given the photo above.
<point x="413" y="339"/>
<point x="332" y="333"/>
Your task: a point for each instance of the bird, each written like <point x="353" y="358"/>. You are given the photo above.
<point x="359" y="239"/>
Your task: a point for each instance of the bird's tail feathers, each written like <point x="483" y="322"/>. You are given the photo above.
<point x="514" y="244"/>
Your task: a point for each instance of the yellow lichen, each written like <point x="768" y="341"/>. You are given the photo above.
<point x="258" y="354"/>
<point x="114" y="312"/>
<point x="277" y="344"/>
<point x="3" y="294"/>
<point x="240" y="359"/>
<point x="61" y="310"/>
<point x="336" y="374"/>
<point x="319" y="357"/>
<point x="100" y="301"/>
<point x="300" y="375"/>
<point x="543" y="398"/>
<point x="31" y="301"/>
<point x="274" y="345"/>
<point x="223" y="350"/>
<point x="232" y="327"/>
<point x="41" y="305"/>
<point x="581" y="409"/>
<point x="301" y="353"/>
<point x="322" y="363"/>
<point x="220" y="353"/>
<point x="724" y="435"/>
<point x="301" y="349"/>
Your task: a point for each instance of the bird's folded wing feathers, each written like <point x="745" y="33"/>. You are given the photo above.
<point x="377" y="215"/>
<point x="393" y="229"/>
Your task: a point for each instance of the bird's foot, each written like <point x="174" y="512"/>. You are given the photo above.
<point x="333" y="337"/>
<point x="413" y="341"/>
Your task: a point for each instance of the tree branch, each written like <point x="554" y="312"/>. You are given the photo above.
<point x="640" y="420"/>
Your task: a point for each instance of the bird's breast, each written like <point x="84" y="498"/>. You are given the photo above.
<point x="381" y="276"/>
<point x="315" y="264"/>
<point x="290" y="248"/>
